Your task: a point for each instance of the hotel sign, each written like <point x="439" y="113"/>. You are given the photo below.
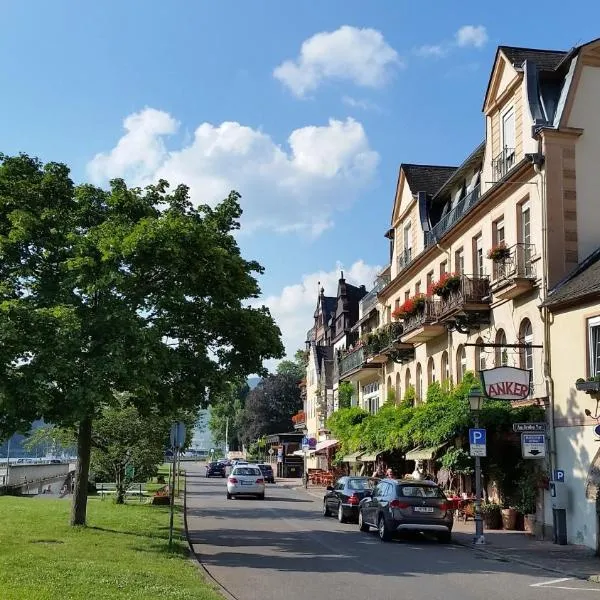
<point x="506" y="383"/>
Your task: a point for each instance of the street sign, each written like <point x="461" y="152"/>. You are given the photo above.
<point x="130" y="471"/>
<point x="177" y="435"/>
<point x="529" y="427"/>
<point x="305" y="443"/>
<point x="506" y="383"/>
<point x="312" y="443"/>
<point x="559" y="475"/>
<point x="533" y="445"/>
<point x="477" y="442"/>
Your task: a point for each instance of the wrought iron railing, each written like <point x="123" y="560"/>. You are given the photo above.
<point x="404" y="258"/>
<point x="503" y="163"/>
<point x="472" y="289"/>
<point x="425" y="316"/>
<point x="368" y="302"/>
<point x="463" y="206"/>
<point x="518" y="264"/>
<point x="351" y="361"/>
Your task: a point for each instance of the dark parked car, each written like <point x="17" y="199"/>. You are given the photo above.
<point x="407" y="505"/>
<point x="267" y="471"/>
<point x="215" y="470"/>
<point x="344" y="496"/>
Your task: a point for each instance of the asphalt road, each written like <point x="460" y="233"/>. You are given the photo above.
<point x="282" y="548"/>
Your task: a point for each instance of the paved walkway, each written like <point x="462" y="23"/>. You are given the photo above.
<point x="568" y="561"/>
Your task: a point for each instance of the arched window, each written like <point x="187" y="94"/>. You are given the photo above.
<point x="389" y="389"/>
<point x="431" y="371"/>
<point x="461" y="363"/>
<point x="501" y="354"/>
<point x="526" y="337"/>
<point x="480" y="355"/>
<point x="445" y="371"/>
<point x="398" y="390"/>
<point x="419" y="383"/>
<point x="407" y="382"/>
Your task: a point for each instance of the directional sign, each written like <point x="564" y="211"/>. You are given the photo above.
<point x="533" y="445"/>
<point x="559" y="475"/>
<point x="529" y="427"/>
<point x="477" y="441"/>
<point x="177" y="435"/>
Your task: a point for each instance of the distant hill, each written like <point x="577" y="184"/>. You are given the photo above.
<point x="253" y="382"/>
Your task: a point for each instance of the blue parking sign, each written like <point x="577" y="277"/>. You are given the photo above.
<point x="477" y="437"/>
<point x="559" y="475"/>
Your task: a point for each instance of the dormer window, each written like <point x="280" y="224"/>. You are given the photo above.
<point x="505" y="161"/>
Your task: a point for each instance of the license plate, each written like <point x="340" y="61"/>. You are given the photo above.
<point x="246" y="483"/>
<point x="423" y="509"/>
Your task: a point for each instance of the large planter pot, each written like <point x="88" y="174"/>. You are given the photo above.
<point x="492" y="520"/>
<point x="509" y="518"/>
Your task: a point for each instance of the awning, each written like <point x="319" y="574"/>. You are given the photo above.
<point x="422" y="453"/>
<point x="353" y="458"/>
<point x="301" y="453"/>
<point x="370" y="457"/>
<point x="324" y="445"/>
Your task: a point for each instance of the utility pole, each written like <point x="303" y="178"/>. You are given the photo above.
<point x="227" y="437"/>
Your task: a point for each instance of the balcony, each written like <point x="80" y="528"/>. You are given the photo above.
<point x="469" y="303"/>
<point x="354" y="362"/>
<point x="299" y="420"/>
<point x="452" y="217"/>
<point x="503" y="163"/>
<point x="404" y="259"/>
<point x="369" y="302"/>
<point x="423" y="325"/>
<point x="516" y="274"/>
<point x="381" y="341"/>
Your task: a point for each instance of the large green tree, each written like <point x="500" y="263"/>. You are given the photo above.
<point x="118" y="291"/>
<point x="225" y="414"/>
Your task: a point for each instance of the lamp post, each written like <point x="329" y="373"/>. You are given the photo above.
<point x="475" y="400"/>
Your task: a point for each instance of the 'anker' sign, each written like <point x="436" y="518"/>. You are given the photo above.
<point x="506" y="383"/>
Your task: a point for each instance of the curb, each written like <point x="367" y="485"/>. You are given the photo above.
<point x="528" y="563"/>
<point x="224" y="591"/>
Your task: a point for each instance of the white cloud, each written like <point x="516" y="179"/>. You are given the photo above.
<point x="360" y="103"/>
<point x="293" y="308"/>
<point x="358" y="55"/>
<point x="432" y="51"/>
<point x="287" y="189"/>
<point x="472" y="35"/>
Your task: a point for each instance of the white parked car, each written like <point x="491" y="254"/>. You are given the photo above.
<point x="246" y="480"/>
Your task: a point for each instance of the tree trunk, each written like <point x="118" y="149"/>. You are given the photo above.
<point x="120" y="484"/>
<point x="82" y="471"/>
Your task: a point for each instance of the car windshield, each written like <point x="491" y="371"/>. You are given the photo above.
<point x="420" y="491"/>
<point x="361" y="484"/>
<point x="251" y="471"/>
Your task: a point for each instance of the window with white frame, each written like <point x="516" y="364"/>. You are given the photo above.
<point x="480" y="355"/>
<point x="407" y="243"/>
<point x="526" y="338"/>
<point x="461" y="363"/>
<point x="594" y="346"/>
<point x="445" y="366"/>
<point x="501" y="358"/>
<point x="459" y="261"/>
<point x="478" y="266"/>
<point x="419" y="382"/>
<point x="509" y="137"/>
<point x="370" y="394"/>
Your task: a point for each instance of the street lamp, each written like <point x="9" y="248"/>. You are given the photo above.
<point x="475" y="402"/>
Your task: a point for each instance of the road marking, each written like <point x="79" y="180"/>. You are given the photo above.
<point x="550" y="585"/>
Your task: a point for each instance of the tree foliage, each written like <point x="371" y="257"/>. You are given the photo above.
<point x="270" y="407"/>
<point x="226" y="414"/>
<point x="120" y="291"/>
<point x="296" y="367"/>
<point x="345" y="393"/>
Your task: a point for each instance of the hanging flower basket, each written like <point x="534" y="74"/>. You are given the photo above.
<point x="448" y="283"/>
<point x="499" y="253"/>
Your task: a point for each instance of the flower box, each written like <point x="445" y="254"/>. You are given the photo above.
<point x="589" y="387"/>
<point x="499" y="253"/>
<point x="448" y="283"/>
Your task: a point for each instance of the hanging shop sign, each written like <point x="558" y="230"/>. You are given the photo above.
<point x="506" y="383"/>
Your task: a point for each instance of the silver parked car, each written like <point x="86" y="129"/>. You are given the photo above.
<point x="407" y="505"/>
<point x="246" y="480"/>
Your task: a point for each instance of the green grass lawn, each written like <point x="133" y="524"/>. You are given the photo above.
<point x="121" y="554"/>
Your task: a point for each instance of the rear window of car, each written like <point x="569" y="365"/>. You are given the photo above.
<point x="420" y="491"/>
<point x="265" y="467"/>
<point x="361" y="484"/>
<point x="246" y="471"/>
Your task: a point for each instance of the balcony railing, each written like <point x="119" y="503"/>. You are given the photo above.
<point x="404" y="259"/>
<point x="369" y="301"/>
<point x="518" y="264"/>
<point x="503" y="163"/>
<point x="352" y="361"/>
<point x="473" y="291"/>
<point x="452" y="217"/>
<point x="425" y="317"/>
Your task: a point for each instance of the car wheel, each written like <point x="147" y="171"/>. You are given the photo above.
<point x="361" y="524"/>
<point x="229" y="496"/>
<point x="444" y="537"/>
<point x="384" y="532"/>
<point x="261" y="496"/>
<point x="341" y="515"/>
<point x="325" y="509"/>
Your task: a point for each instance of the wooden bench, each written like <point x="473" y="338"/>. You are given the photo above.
<point x="133" y="489"/>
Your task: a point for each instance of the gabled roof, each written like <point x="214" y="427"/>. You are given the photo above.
<point x="546" y="60"/>
<point x="426" y="178"/>
<point x="474" y="159"/>
<point x="582" y="283"/>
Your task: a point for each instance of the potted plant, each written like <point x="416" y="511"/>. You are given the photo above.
<point x="447" y="283"/>
<point x="526" y="496"/>
<point x="590" y="386"/>
<point x="499" y="253"/>
<point x="509" y="518"/>
<point x="491" y="513"/>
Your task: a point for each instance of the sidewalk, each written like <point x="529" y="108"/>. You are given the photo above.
<point x="517" y="546"/>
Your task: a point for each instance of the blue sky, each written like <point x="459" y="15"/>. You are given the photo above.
<point x="225" y="95"/>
